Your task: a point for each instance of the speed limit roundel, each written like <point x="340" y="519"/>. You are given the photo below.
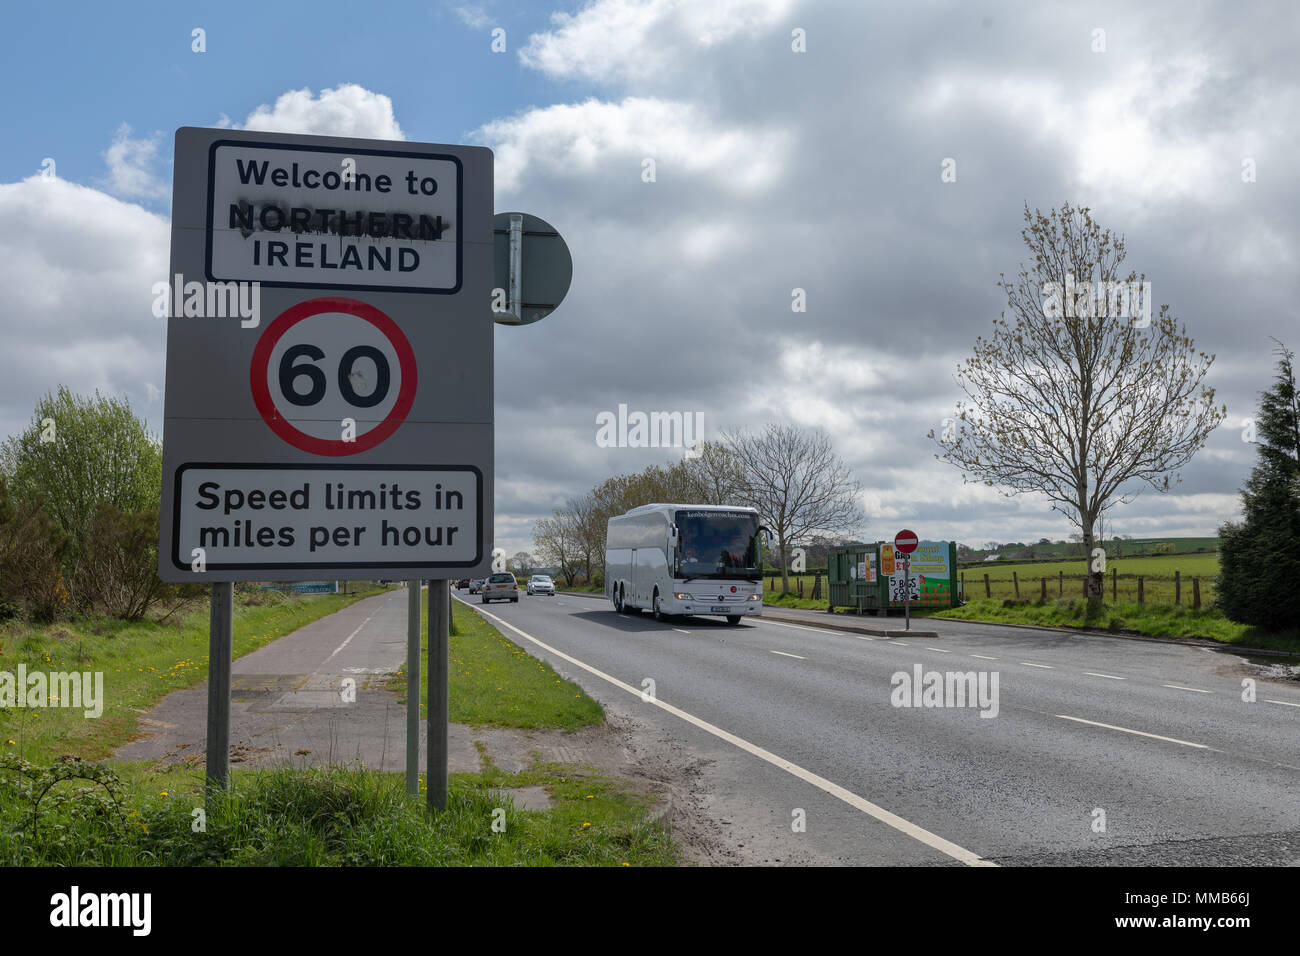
<point x="329" y="360"/>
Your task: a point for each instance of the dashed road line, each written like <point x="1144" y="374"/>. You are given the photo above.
<point x="1194" y="690"/>
<point x="784" y="654"/>
<point x="1139" y="733"/>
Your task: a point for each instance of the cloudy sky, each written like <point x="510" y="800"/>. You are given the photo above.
<point x="774" y="169"/>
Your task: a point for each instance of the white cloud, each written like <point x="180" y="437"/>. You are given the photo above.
<point x="131" y="165"/>
<point x="611" y="140"/>
<point x="78" y="266"/>
<point x="345" y="110"/>
<point x="640" y="40"/>
<point x="473" y="16"/>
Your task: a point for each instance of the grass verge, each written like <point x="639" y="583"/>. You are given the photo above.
<point x="1154" y="621"/>
<point x="496" y="682"/>
<point x="140" y="661"/>
<point x="328" y="817"/>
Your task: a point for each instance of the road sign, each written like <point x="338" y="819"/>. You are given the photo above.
<point x="531" y="268"/>
<point x="905" y="541"/>
<point x="341" y="427"/>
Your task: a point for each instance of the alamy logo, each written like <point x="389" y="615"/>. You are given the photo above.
<point x="946" y="689"/>
<point x="103" y="909"/>
<point x="55" y="689"/>
<point x="209" y="300"/>
<point x="650" y="430"/>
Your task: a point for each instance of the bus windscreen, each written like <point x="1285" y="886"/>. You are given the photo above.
<point x="717" y="544"/>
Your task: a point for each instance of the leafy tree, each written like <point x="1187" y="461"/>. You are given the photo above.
<point x="1259" y="558"/>
<point x="1075" y="398"/>
<point x="32" y="549"/>
<point x="80" y="453"/>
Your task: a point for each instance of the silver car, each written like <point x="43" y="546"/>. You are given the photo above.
<point x="541" y="584"/>
<point x="501" y="587"/>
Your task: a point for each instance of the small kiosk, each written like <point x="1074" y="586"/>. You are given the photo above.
<point x="869" y="577"/>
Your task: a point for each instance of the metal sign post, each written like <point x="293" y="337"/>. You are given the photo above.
<point x="413" y="687"/>
<point x="907" y="592"/>
<point x="220" y="654"/>
<point x="439" y="639"/>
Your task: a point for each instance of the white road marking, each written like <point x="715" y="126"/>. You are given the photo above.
<point x="1284" y="703"/>
<point x="805" y="627"/>
<point x="680" y="631"/>
<point x="349" y="638"/>
<point x="835" y="790"/>
<point x="1044" y="666"/>
<point x="899" y="643"/>
<point x="984" y="657"/>
<point x="938" y="650"/>
<point x="784" y="654"/>
<point x="1140" y="733"/>
<point x="1194" y="690"/>
<point x="1108" y="676"/>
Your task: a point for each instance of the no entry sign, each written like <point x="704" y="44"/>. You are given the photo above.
<point x="905" y="541"/>
<point x="341" y="425"/>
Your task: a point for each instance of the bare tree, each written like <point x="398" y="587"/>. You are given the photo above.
<point x="715" y="476"/>
<point x="1072" y="400"/>
<point x="797" y="483"/>
<point x="522" y="562"/>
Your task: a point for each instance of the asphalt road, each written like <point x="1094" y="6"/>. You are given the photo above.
<point x="790" y="722"/>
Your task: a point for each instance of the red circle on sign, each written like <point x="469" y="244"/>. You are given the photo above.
<point x="905" y="541"/>
<point x="260" y="367"/>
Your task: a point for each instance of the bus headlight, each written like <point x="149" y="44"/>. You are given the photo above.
<point x="683" y="597"/>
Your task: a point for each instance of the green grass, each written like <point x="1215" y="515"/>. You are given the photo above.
<point x="141" y="662"/>
<point x="328" y="817"/>
<point x="496" y="682"/>
<point x="1155" y="621"/>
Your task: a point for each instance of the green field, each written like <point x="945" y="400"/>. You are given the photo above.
<point x="1065" y="579"/>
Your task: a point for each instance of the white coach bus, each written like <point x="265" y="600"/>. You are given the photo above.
<point x="686" y="559"/>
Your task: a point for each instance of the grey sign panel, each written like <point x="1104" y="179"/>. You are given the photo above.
<point x="543" y="268"/>
<point x="339" y="412"/>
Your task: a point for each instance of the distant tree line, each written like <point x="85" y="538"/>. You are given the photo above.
<point x="790" y="475"/>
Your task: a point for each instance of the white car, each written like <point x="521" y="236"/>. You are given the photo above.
<point x="541" y="584"/>
<point x="500" y="587"/>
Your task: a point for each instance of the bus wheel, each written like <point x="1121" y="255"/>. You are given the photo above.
<point x="733" y="619"/>
<point x="618" y="601"/>
<point x="659" y="615"/>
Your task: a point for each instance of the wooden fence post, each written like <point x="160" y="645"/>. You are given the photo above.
<point x="987" y="592"/>
<point x="1015" y="578"/>
<point x="1044" y="590"/>
<point x="800" y="588"/>
<point x="1114" y="584"/>
<point x="1140" y="596"/>
<point x="1060" y="592"/>
<point x="1178" y="588"/>
<point x="1196" y="593"/>
<point x="817" y="587"/>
